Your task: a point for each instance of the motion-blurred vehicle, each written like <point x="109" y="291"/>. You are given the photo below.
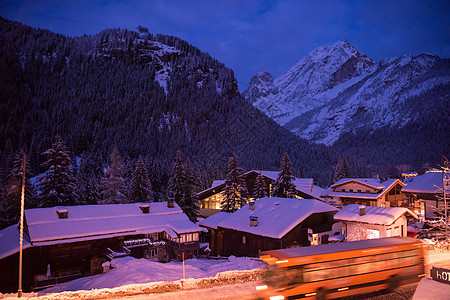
<point x="344" y="269"/>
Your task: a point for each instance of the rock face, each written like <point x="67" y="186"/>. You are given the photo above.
<point x="337" y="89"/>
<point x="260" y="86"/>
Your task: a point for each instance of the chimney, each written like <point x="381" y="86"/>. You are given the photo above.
<point x="145" y="208"/>
<point x="251" y="205"/>
<point x="375" y="175"/>
<point x="170" y="203"/>
<point x="253" y="221"/>
<point x="62" y="213"/>
<point x="362" y="210"/>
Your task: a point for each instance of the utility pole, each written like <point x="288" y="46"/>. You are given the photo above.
<point x="22" y="205"/>
<point x="444" y="168"/>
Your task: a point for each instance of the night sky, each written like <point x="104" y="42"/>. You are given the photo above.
<point x="254" y="36"/>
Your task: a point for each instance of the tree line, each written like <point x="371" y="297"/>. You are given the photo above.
<point x="88" y="182"/>
<point x="67" y="182"/>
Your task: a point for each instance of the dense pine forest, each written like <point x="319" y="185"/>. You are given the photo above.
<point x="148" y="95"/>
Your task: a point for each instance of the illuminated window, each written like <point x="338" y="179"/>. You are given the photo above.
<point x="195" y="238"/>
<point x="244" y="239"/>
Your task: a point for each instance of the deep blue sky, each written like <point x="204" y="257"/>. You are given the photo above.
<point x="252" y="36"/>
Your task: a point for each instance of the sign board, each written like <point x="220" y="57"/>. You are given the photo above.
<point x="310" y="234"/>
<point x="143" y="242"/>
<point x="440" y="274"/>
<point x="136" y="242"/>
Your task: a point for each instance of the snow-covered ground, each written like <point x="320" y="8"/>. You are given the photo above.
<point x="139" y="276"/>
<point x="129" y="270"/>
<point x="428" y="289"/>
<point x="437" y="255"/>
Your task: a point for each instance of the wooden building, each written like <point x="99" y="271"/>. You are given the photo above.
<point x="74" y="241"/>
<point x="368" y="192"/>
<point x="361" y="222"/>
<point x="270" y="223"/>
<point x="427" y="193"/>
<point x="211" y="198"/>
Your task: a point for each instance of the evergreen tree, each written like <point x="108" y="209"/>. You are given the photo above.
<point x="93" y="194"/>
<point x="88" y="177"/>
<point x="235" y="192"/>
<point x="283" y="186"/>
<point x="260" y="187"/>
<point x="11" y="193"/>
<point x="177" y="180"/>
<point x="57" y="186"/>
<point x="9" y="204"/>
<point x="140" y="187"/>
<point x="31" y="200"/>
<point x="191" y="203"/>
<point x="5" y="220"/>
<point x="342" y="170"/>
<point x="114" y="185"/>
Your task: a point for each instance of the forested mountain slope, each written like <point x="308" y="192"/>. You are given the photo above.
<point x="147" y="94"/>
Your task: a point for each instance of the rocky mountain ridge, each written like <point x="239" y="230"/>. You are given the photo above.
<point x="337" y="90"/>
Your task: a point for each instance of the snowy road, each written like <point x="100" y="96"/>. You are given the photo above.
<point x="242" y="291"/>
<point x="247" y="291"/>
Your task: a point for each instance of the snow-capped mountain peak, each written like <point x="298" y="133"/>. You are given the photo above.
<point x="337" y="89"/>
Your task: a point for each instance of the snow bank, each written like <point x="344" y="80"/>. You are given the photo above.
<point x="437" y="254"/>
<point x="222" y="278"/>
<point x="132" y="276"/>
<point x="429" y="289"/>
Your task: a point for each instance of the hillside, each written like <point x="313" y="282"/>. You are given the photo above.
<point x="147" y="94"/>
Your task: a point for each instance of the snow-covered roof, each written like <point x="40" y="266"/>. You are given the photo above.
<point x="317" y="192"/>
<point x="352" y="195"/>
<point x="378" y="184"/>
<point x="373" y="215"/>
<point x="213" y="220"/>
<point x="89" y="222"/>
<point x="428" y="183"/>
<point x="217" y="182"/>
<point x="9" y="241"/>
<point x="371" y="182"/>
<point x="304" y="185"/>
<point x="276" y="216"/>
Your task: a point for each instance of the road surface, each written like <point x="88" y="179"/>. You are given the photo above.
<point x="246" y="291"/>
